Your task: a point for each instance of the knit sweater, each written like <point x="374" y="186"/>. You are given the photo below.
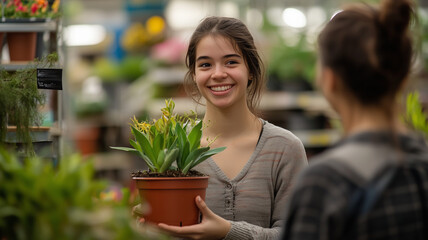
<point x="253" y="201"/>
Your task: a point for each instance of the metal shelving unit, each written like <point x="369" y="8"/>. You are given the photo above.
<point x="45" y="135"/>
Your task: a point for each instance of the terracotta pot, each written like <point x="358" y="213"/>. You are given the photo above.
<point x="1" y="42"/>
<point x="22" y="45"/>
<point x="172" y="199"/>
<point x="86" y="140"/>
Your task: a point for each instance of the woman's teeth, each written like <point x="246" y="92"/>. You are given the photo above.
<point x="221" y="88"/>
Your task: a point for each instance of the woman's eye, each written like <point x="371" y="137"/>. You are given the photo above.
<point x="231" y="62"/>
<point x="204" y="65"/>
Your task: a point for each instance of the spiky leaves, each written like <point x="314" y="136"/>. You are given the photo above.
<point x="169" y="139"/>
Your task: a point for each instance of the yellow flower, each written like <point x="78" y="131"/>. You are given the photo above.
<point x="155" y="25"/>
<point x="55" y="5"/>
<point x="141" y="126"/>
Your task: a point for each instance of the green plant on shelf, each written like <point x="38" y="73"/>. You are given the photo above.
<point x="415" y="115"/>
<point x="289" y="63"/>
<point x="169" y="139"/>
<point x="41" y="201"/>
<point x="20" y="100"/>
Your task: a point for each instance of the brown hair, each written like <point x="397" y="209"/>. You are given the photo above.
<point x="236" y="31"/>
<point x="370" y="49"/>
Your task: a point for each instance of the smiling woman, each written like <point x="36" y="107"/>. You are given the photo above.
<point x="250" y="180"/>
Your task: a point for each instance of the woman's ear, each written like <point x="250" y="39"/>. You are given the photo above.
<point x="330" y="83"/>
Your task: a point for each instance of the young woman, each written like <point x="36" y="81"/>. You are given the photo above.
<point x="249" y="181"/>
<point x="374" y="183"/>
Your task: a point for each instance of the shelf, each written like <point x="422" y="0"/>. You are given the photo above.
<point x="28" y="27"/>
<point x="13" y="66"/>
<point x="271" y="101"/>
<point x="309" y="101"/>
<point x="38" y="134"/>
<point x="318" y="138"/>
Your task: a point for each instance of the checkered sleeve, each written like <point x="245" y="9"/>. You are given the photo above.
<point x="317" y="204"/>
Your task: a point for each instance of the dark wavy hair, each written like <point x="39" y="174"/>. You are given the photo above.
<point x="241" y="38"/>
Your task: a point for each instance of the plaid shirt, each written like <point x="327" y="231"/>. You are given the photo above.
<point x="322" y="202"/>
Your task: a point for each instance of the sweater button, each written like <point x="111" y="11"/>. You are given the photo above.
<point x="229" y="186"/>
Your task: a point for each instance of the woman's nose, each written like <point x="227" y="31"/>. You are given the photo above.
<point x="219" y="73"/>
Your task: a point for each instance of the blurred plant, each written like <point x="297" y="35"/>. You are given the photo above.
<point x="292" y="62"/>
<point x="92" y="100"/>
<point x="30" y="9"/>
<point x="169" y="139"/>
<point x="20" y="99"/>
<point x="40" y="201"/>
<point x="139" y="36"/>
<point x="129" y="69"/>
<point x="415" y="116"/>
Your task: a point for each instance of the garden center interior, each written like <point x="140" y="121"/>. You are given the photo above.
<point x="123" y="58"/>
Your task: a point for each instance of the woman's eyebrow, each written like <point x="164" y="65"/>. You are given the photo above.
<point x="225" y="56"/>
<point x="232" y="55"/>
<point x="202" y="58"/>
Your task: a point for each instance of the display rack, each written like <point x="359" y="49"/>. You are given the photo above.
<point x="42" y="136"/>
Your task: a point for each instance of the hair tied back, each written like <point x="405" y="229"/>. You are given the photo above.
<point x="394" y="17"/>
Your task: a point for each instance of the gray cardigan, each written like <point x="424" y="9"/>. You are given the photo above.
<point x="253" y="201"/>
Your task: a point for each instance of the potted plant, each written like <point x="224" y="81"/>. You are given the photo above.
<point x="20" y="100"/>
<point x="170" y="146"/>
<point x="41" y="201"/>
<point x="22" y="45"/>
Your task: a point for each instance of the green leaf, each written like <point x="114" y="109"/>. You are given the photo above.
<point x="181" y="134"/>
<point x="157" y="144"/>
<point x="127" y="149"/>
<point x="195" y="136"/>
<point x="149" y="162"/>
<point x="160" y="159"/>
<point x="192" y="157"/>
<point x="135" y="145"/>
<point x="206" y="155"/>
<point x="145" y="144"/>
<point x="184" y="153"/>
<point x="170" y="157"/>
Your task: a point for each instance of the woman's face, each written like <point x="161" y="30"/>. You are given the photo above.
<point x="221" y="73"/>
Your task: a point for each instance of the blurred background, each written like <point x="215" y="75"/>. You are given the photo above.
<point x="122" y="58"/>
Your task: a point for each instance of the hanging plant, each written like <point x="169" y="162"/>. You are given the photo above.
<point x="20" y="100"/>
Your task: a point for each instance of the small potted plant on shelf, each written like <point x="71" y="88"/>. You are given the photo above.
<point x="22" y="45"/>
<point x="170" y="146"/>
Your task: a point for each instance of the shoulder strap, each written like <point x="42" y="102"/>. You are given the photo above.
<point x="423" y="201"/>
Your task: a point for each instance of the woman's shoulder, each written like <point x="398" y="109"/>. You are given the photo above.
<point x="273" y="132"/>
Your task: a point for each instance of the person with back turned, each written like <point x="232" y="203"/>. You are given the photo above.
<point x="373" y="184"/>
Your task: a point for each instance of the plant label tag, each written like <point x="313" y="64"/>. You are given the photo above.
<point x="49" y="78"/>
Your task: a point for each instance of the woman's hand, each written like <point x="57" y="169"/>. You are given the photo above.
<point x="211" y="227"/>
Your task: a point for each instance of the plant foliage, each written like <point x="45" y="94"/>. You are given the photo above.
<point x="169" y="139"/>
<point x="292" y="62"/>
<point x="20" y="100"/>
<point x="415" y="115"/>
<point x="41" y="202"/>
<point x="19" y="9"/>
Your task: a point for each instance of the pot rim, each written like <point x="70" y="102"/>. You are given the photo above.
<point x="169" y="178"/>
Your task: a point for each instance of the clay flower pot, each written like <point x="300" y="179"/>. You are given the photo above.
<point x="172" y="199"/>
<point x="22" y="45"/>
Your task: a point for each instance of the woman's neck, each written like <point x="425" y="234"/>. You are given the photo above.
<point x="226" y="123"/>
<point x="363" y="118"/>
